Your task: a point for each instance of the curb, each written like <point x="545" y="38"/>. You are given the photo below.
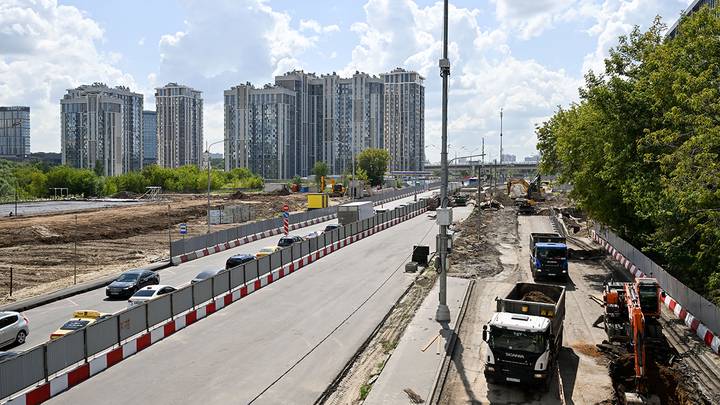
<point x="91" y="367"/>
<point x="30" y="303"/>
<point x="695" y="325"/>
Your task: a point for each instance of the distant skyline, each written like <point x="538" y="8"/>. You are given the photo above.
<point x="525" y="56"/>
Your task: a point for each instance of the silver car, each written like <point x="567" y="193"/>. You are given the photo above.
<point x="14" y="328"/>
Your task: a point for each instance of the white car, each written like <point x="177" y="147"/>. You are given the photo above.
<point x="148" y="293"/>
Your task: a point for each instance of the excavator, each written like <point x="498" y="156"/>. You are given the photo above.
<point x="631" y="316"/>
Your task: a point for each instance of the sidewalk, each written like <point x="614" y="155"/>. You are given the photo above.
<point x="419" y="355"/>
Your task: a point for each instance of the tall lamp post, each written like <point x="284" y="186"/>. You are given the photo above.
<point x="443" y="311"/>
<point x="207" y="151"/>
<point x="501" y="151"/>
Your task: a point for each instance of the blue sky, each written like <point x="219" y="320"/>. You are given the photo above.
<point x="527" y="56"/>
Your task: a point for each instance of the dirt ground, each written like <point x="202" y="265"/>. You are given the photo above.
<point x="41" y="249"/>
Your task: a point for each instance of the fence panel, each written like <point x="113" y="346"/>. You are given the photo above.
<point x="22" y="371"/>
<point x="263" y="265"/>
<point x="202" y="291"/>
<point x="221" y="283"/>
<point x="276" y="260"/>
<point x="101" y="335"/>
<point x="237" y="276"/>
<point x="158" y="310"/>
<point x="132" y="321"/>
<point x="305" y="248"/>
<point x="296" y="251"/>
<point x="286" y="255"/>
<point x="313" y="244"/>
<point x="251" y="270"/>
<point x="65" y="351"/>
<point x="181" y="300"/>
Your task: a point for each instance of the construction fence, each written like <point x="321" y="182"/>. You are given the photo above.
<point x="42" y="363"/>
<point x="702" y="309"/>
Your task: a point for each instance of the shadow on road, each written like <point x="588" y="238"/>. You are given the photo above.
<point x="457" y="359"/>
<point x="568" y="362"/>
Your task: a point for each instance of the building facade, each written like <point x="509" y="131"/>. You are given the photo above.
<point x="333" y="119"/>
<point x="696" y="5"/>
<point x="15" y="132"/>
<point x="404" y="121"/>
<point x="149" y="138"/>
<point x="179" y="125"/>
<point x="101" y="129"/>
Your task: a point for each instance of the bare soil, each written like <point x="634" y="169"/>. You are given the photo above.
<point x="41" y="249"/>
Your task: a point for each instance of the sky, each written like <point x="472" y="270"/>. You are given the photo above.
<point x="525" y="56"/>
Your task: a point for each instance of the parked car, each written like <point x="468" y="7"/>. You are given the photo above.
<point x="79" y="320"/>
<point x="236" y="260"/>
<point x="331" y="227"/>
<point x="14" y="328"/>
<point x="131" y="281"/>
<point x="149" y="292"/>
<point x="266" y="251"/>
<point x="7" y="356"/>
<point x="286" y="241"/>
<point x="206" y="274"/>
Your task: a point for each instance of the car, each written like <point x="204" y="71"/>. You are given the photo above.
<point x="288" y="240"/>
<point x="79" y="320"/>
<point x="14" y="328"/>
<point x="149" y="292"/>
<point x="131" y="281"/>
<point x="266" y="251"/>
<point x="314" y="234"/>
<point x="331" y="227"/>
<point x="206" y="274"/>
<point x="236" y="260"/>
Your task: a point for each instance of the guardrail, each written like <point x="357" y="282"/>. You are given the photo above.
<point x="199" y="243"/>
<point x="699" y="314"/>
<point x="62" y="363"/>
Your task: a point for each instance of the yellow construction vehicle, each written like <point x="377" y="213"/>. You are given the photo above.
<point x="337" y="189"/>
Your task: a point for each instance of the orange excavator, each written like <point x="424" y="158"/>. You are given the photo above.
<point x="631" y="316"/>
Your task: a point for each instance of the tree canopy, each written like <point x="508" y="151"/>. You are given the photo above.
<point x="374" y="162"/>
<point x="641" y="146"/>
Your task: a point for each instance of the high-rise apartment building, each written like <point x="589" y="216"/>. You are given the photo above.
<point x="101" y="129"/>
<point x="693" y="7"/>
<point x="179" y="125"/>
<point x="15" y="132"/>
<point x="149" y="138"/>
<point x="404" y="126"/>
<point x="334" y="118"/>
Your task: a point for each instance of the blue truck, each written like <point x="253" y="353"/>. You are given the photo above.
<point x="548" y="256"/>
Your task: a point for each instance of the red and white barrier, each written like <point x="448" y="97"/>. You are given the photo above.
<point x="114" y="356"/>
<point x="695" y="325"/>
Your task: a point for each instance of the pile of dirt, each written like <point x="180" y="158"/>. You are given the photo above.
<point x="537" y="296"/>
<point x="126" y="195"/>
<point x="667" y="382"/>
<point x="238" y="195"/>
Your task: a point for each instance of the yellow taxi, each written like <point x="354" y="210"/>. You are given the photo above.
<point x="267" y="251"/>
<point x="79" y="320"/>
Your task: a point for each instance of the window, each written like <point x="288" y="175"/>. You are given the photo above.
<point x="7" y="321"/>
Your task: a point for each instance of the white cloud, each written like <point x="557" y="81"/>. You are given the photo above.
<point x="530" y="18"/>
<point x="141" y="41"/>
<point x="46" y="48"/>
<point x="312" y="25"/>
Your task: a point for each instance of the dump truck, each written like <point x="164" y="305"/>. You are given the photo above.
<point x="354" y="211"/>
<point x="548" y="255"/>
<point x="524" y="336"/>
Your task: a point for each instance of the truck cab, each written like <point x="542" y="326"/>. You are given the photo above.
<point x="518" y="348"/>
<point x="548" y="256"/>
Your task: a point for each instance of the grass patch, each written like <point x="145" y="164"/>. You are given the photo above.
<point x="364" y="391"/>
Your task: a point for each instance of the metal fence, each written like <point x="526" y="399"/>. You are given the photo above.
<point x="702" y="309"/>
<point x="43" y="362"/>
<point x="188" y="245"/>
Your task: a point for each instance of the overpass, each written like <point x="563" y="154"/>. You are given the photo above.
<point x="505" y="170"/>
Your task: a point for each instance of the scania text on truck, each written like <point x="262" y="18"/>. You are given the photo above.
<point x="355" y="211"/>
<point x="548" y="255"/>
<point x="524" y="337"/>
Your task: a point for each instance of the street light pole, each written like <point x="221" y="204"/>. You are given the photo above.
<point x="501" y="151"/>
<point x="207" y="151"/>
<point x="443" y="312"/>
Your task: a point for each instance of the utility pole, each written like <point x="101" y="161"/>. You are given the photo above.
<point x="443" y="312"/>
<point x="169" y="233"/>
<point x="481" y="169"/>
<point x="76" y="255"/>
<point x="208" y="193"/>
<point x="16" y="196"/>
<point x="501" y="128"/>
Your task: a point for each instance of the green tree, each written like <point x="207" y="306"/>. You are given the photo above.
<point x="320" y="170"/>
<point x="374" y="162"/>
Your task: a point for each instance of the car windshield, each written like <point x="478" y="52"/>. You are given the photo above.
<point x="74" y="324"/>
<point x="284" y="242"/>
<point x="144" y="293"/>
<point x="517" y="340"/>
<point x="551" y="253"/>
<point x="128" y="277"/>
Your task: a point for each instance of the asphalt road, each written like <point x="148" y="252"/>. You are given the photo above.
<point x="283" y="344"/>
<point x="47" y="318"/>
<point x="44" y="207"/>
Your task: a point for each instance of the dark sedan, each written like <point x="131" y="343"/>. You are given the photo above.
<point x="236" y="260"/>
<point x="129" y="282"/>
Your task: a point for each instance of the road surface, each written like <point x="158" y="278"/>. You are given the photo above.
<point x="282" y="344"/>
<point x="47" y="318"/>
